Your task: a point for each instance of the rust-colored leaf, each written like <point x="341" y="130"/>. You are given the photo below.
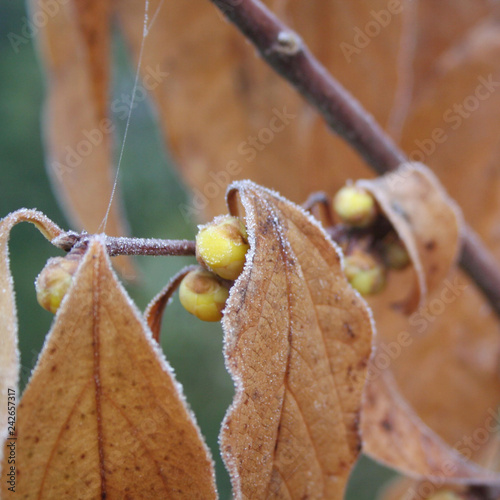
<point x="9" y="355"/>
<point x="297" y="342"/>
<point x="425" y="218"/>
<point x="74" y="43"/>
<point x="103" y="416"/>
<point x="394" y="435"/>
<point x="445" y="359"/>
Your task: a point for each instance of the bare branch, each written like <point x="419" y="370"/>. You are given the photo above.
<point x="128" y="246"/>
<point x="149" y="246"/>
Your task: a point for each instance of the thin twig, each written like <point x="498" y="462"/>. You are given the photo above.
<point x="285" y="52"/>
<point x="149" y="246"/>
<point x="129" y="246"/>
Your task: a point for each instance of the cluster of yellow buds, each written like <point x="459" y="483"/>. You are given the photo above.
<point x="221" y="248"/>
<point x="366" y="271"/>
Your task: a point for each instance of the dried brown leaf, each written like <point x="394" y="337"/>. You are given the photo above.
<point x="297" y="342"/>
<point x="445" y="359"/>
<point x="103" y="415"/>
<point x="74" y="46"/>
<point x="394" y="435"/>
<point x="425" y="218"/>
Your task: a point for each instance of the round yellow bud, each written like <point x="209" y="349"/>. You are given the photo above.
<point x="221" y="246"/>
<point x="364" y="273"/>
<point x="394" y="252"/>
<point x="355" y="206"/>
<point x="54" y="280"/>
<point x="202" y="294"/>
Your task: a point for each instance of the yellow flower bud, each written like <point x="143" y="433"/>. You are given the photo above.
<point x="394" y="252"/>
<point x="355" y="206"/>
<point x="54" y="280"/>
<point x="202" y="294"/>
<point x="221" y="246"/>
<point x="364" y="273"/>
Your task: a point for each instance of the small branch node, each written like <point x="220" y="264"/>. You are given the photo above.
<point x="288" y="43"/>
<point x="66" y="241"/>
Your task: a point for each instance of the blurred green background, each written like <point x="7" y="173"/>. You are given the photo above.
<point x="152" y="191"/>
